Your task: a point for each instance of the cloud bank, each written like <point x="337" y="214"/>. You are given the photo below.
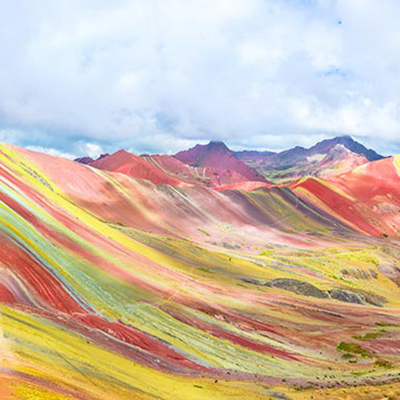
<point x="160" y="75"/>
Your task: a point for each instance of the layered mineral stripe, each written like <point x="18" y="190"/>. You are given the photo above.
<point x="125" y="308"/>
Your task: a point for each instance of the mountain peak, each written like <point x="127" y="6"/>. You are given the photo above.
<point x="345" y="136"/>
<point x="196" y="154"/>
<point x="347" y="141"/>
<point x="89" y="160"/>
<point x="218" y="156"/>
<point x="217" y="145"/>
<point x="344" y="139"/>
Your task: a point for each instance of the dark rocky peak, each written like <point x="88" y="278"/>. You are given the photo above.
<point x="347" y="141"/>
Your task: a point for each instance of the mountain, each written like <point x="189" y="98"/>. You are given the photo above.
<point x="195" y="175"/>
<point x="328" y="157"/>
<point x="116" y="288"/>
<point x="134" y="166"/>
<point x="215" y="165"/>
<point x="298" y="154"/>
<point x="337" y="160"/>
<point x="165" y="169"/>
<point x="84" y="160"/>
<point x="367" y="197"/>
<point x="212" y="165"/>
<point x="349" y="143"/>
<point x="89" y="160"/>
<point x="218" y="156"/>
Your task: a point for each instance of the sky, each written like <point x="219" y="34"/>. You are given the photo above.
<point x="82" y="77"/>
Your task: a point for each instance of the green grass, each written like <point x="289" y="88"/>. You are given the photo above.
<point x="353" y="348"/>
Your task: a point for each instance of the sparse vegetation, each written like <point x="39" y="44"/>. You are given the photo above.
<point x="353" y="348"/>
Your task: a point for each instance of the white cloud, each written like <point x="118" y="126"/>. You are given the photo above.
<point x="93" y="150"/>
<point x="170" y="72"/>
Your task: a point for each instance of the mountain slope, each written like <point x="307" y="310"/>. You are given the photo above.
<point x="117" y="288"/>
<point x="134" y="166"/>
<point x="253" y="156"/>
<point x="368" y="197"/>
<point x="196" y="175"/>
<point x="328" y="157"/>
<point x="217" y="167"/>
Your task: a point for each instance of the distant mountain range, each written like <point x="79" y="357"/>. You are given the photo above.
<point x="215" y="165"/>
<point x="328" y="157"/>
<point x="325" y="174"/>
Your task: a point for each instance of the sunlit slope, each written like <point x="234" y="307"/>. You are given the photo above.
<point x="124" y="201"/>
<point x="367" y="198"/>
<point x="114" y="288"/>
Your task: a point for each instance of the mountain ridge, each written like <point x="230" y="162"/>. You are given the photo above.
<point x="317" y="160"/>
<point x="211" y="165"/>
<point x="323" y="145"/>
<point x="215" y="165"/>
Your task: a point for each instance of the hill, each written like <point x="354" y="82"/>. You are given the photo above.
<point x="368" y="197"/>
<point x="218" y="156"/>
<point x="210" y="166"/>
<point x="328" y="157"/>
<point x="117" y="287"/>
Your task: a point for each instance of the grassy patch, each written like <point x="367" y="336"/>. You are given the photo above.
<point x="371" y="335"/>
<point x="346" y="356"/>
<point x="205" y="270"/>
<point x="383" y="364"/>
<point x="353" y="348"/>
<point x="385" y="324"/>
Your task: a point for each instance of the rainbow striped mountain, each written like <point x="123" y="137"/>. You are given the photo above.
<point x="207" y="275"/>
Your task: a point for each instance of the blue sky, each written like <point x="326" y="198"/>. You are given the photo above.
<point x="89" y="76"/>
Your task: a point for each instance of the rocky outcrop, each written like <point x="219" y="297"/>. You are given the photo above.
<point x="346" y="296"/>
<point x="298" y="287"/>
